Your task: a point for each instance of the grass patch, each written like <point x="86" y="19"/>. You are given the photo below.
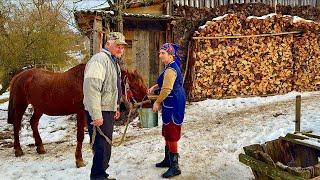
<point x="4" y="100"/>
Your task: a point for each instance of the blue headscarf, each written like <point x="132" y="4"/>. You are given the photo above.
<point x="173" y="50"/>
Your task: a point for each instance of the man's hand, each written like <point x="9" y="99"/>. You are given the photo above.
<point x="97" y="122"/>
<point x="117" y="114"/>
<point x="156" y="107"/>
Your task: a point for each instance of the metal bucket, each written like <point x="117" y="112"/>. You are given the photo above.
<point x="148" y="118"/>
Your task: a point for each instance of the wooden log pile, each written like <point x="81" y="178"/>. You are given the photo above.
<point x="251" y="65"/>
<point x="307" y="64"/>
<point x="192" y="18"/>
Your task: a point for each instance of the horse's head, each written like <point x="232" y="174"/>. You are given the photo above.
<point x="133" y="86"/>
<point x="133" y="91"/>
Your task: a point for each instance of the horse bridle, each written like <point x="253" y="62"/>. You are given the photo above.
<point x="127" y="91"/>
<point x="129" y="98"/>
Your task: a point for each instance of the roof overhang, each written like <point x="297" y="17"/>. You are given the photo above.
<point x="85" y="18"/>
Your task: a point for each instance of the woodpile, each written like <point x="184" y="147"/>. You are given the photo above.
<point x="307" y="63"/>
<point x="240" y="56"/>
<point x="192" y="18"/>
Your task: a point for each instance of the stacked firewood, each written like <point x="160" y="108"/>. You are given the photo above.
<point x="251" y="65"/>
<point x="307" y="64"/>
<point x="192" y="18"/>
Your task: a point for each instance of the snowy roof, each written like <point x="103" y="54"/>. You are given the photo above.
<point x="103" y="4"/>
<point x="91" y="4"/>
<point x="147" y="16"/>
<point x="219" y="18"/>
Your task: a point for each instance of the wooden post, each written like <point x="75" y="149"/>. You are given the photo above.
<point x="298" y="113"/>
<point x="96" y="35"/>
<point x="170" y="7"/>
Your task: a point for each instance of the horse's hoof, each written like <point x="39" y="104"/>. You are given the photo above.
<point x="41" y="150"/>
<point x="80" y="163"/>
<point x="18" y="153"/>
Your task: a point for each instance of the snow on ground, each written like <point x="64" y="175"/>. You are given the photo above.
<point x="214" y="133"/>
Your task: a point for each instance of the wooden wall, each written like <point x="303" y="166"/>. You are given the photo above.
<point x="142" y="53"/>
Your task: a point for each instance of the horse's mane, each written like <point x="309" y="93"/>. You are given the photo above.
<point x="78" y="70"/>
<point x="134" y="76"/>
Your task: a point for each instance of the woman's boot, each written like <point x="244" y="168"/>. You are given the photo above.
<point x="174" y="168"/>
<point x="165" y="162"/>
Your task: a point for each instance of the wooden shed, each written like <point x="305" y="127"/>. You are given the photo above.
<point x="145" y="26"/>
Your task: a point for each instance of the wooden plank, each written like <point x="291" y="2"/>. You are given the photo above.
<point x="128" y="56"/>
<point x="301" y="142"/>
<point x="156" y="9"/>
<point x="140" y="46"/>
<point x="154" y="48"/>
<point x="266" y="169"/>
<point x="311" y="135"/>
<point x="296" y="136"/>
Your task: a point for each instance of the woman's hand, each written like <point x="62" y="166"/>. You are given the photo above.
<point x="156" y="107"/>
<point x="152" y="89"/>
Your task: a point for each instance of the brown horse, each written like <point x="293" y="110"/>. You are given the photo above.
<point x="55" y="94"/>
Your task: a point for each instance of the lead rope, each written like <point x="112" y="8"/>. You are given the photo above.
<point x="108" y="140"/>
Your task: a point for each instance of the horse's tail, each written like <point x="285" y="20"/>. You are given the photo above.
<point x="10" y="110"/>
<point x="11" y="101"/>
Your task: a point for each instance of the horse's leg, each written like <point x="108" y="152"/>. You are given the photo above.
<point x="17" y="119"/>
<point x="34" y="122"/>
<point x="80" y="136"/>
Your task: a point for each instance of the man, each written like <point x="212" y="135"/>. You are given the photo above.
<point x="102" y="92"/>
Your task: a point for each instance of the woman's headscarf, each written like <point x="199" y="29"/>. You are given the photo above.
<point x="173" y="50"/>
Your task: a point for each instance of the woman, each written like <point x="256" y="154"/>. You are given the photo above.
<point x="172" y="100"/>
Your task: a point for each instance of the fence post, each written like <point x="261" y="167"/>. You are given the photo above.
<point x="298" y="113"/>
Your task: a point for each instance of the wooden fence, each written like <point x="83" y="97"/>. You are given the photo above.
<point x="214" y="3"/>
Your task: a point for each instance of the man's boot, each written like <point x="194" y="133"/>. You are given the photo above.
<point x="165" y="162"/>
<point x="174" y="168"/>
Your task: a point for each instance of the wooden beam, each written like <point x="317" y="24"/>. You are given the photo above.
<point x="247" y="36"/>
<point x="266" y="169"/>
